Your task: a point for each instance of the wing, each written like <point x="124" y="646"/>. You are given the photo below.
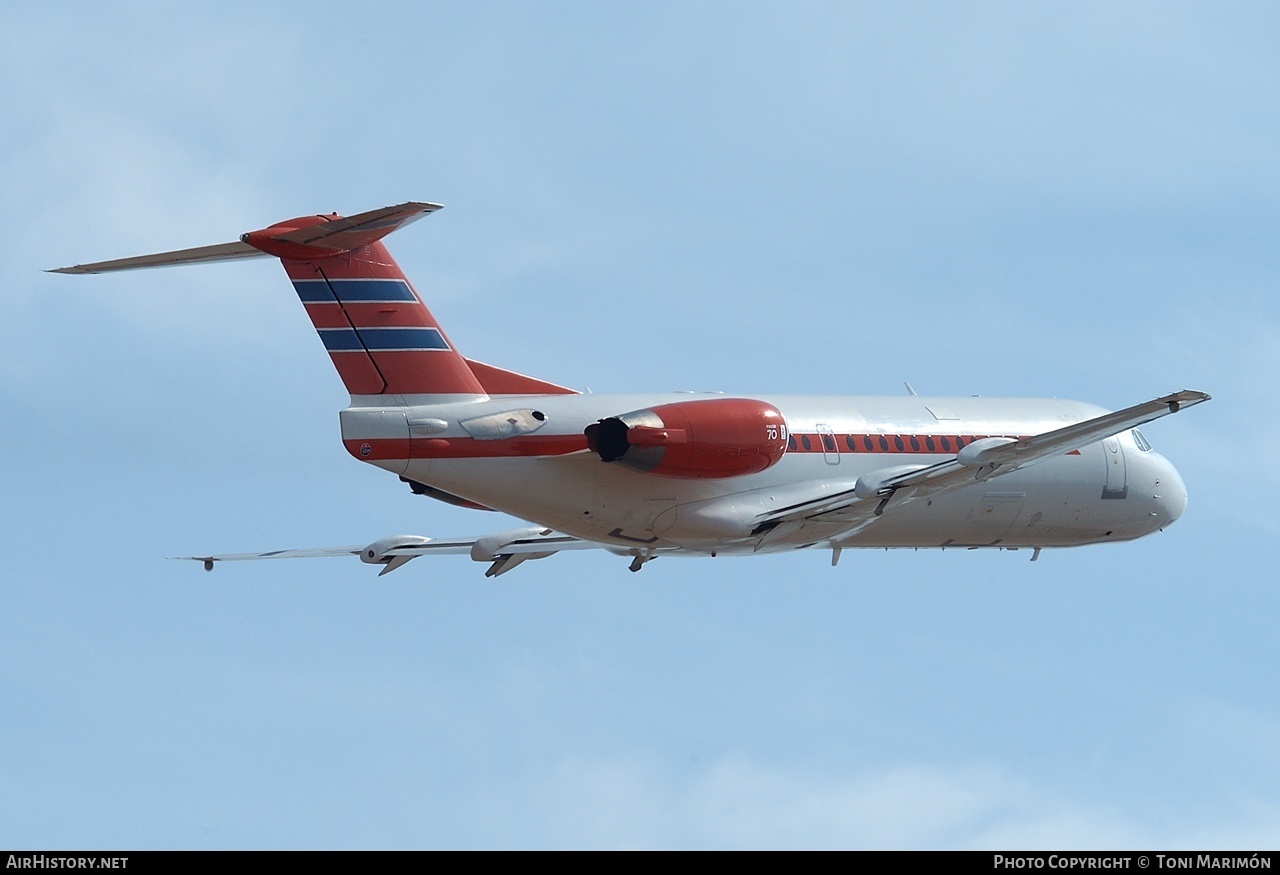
<point x="505" y="550"/>
<point x="981" y="460"/>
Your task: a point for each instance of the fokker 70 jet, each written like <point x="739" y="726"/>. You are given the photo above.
<point x="678" y="474"/>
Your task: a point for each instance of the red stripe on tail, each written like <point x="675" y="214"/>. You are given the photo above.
<point x="363" y="360"/>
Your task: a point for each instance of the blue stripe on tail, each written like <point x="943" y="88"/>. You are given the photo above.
<point x="382" y="339"/>
<point x="353" y="291"/>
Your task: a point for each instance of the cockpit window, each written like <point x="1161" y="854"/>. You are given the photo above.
<point x="1141" y="441"/>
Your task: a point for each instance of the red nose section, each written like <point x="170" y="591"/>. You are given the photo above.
<point x="720" y="437"/>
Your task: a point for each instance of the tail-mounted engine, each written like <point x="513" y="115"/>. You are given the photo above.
<point x="718" y="437"/>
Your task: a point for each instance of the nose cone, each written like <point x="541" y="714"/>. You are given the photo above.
<point x="1170" y="493"/>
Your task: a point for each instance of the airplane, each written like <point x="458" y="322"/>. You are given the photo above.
<point x="682" y="474"/>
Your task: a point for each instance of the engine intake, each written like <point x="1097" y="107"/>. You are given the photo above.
<point x="718" y="437"/>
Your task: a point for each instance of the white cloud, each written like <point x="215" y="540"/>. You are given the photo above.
<point x="740" y="803"/>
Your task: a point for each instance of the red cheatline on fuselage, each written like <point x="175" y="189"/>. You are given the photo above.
<point x="559" y="445"/>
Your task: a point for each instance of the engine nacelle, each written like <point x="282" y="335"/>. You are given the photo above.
<point x="715" y="437"/>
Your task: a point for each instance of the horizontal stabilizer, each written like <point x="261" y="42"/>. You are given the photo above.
<point x="343" y="235"/>
<point x="198" y="255"/>
<point x="320" y="237"/>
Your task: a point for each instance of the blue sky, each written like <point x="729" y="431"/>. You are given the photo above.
<point x="1072" y="200"/>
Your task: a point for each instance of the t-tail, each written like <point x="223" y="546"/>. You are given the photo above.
<point x="385" y="344"/>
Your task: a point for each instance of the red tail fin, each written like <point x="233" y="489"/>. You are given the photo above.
<point x="381" y="337"/>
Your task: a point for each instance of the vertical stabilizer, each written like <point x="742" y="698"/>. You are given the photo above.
<point x="381" y="337"/>
<point x="387" y="347"/>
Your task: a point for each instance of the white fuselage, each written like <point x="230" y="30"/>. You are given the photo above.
<point x="644" y="474"/>
<point x="1108" y="491"/>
